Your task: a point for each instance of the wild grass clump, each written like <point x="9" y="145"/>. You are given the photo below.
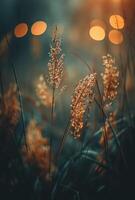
<point x="74" y="163"/>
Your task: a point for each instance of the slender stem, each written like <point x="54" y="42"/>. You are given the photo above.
<point x="83" y="61"/>
<point x="52" y="121"/>
<point x="21" y="106"/>
<point x="104" y="134"/>
<point x="19" y="95"/>
<point x="52" y="106"/>
<point x="61" y="145"/>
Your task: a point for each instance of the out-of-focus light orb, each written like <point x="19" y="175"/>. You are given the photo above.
<point x="97" y="33"/>
<point x="21" y="30"/>
<point x="117" y="21"/>
<point x="38" y="28"/>
<point x="116" y="37"/>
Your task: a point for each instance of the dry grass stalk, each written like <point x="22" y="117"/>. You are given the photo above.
<point x="56" y="62"/>
<point x="83" y="95"/>
<point x="55" y="70"/>
<point x="110" y="78"/>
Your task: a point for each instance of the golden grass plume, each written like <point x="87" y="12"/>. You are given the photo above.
<point x="83" y="95"/>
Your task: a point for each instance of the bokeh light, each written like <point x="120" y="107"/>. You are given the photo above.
<point x="38" y="28"/>
<point x="116" y="37"/>
<point x="117" y="21"/>
<point x="97" y="33"/>
<point x="21" y="30"/>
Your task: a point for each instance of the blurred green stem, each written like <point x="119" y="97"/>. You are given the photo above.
<point x="52" y="121"/>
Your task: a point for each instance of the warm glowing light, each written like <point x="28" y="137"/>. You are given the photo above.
<point x="21" y="30"/>
<point x="117" y="21"/>
<point x="97" y="33"/>
<point x="38" y="28"/>
<point x="116" y="37"/>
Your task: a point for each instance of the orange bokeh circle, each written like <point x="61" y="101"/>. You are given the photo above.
<point x="117" y="21"/>
<point x="97" y="33"/>
<point x="38" y="28"/>
<point x="21" y="30"/>
<point x="116" y="37"/>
